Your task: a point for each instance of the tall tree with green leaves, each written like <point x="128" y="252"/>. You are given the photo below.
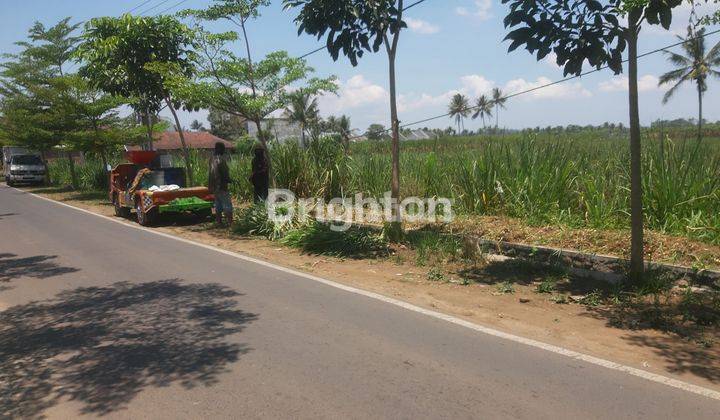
<point x="353" y="27"/>
<point x="238" y="84"/>
<point x="590" y="30"/>
<point x="225" y="125"/>
<point x="34" y="89"/>
<point x="459" y="109"/>
<point x="239" y="13"/>
<point x="303" y="110"/>
<point x="498" y="99"/>
<point x="99" y="127"/>
<point x="483" y="108"/>
<point x="131" y="56"/>
<point x="695" y="66"/>
<point x="344" y="127"/>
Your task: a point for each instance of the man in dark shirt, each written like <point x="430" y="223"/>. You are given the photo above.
<point x="218" y="180"/>
<point x="260" y="176"/>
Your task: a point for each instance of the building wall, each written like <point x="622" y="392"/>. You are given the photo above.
<point x="280" y="129"/>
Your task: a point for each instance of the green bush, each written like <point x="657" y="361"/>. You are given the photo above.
<point x="320" y="238"/>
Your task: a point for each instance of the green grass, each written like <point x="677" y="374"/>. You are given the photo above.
<point x="320" y="238"/>
<point x="574" y="179"/>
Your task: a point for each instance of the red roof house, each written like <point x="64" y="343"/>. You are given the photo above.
<point x="169" y="141"/>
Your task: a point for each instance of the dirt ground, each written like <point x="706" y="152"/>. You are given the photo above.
<point x="603" y="331"/>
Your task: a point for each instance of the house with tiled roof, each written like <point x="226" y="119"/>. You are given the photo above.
<point x="168" y="142"/>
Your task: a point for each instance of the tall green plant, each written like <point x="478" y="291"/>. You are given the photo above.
<point x="695" y="66"/>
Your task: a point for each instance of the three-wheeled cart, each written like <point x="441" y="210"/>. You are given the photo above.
<point x="150" y="190"/>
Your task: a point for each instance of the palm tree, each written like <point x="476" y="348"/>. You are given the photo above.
<point x="499" y="99"/>
<point x="483" y="108"/>
<point x="695" y="66"/>
<point x="459" y="109"/>
<point x="343" y="125"/>
<point x="303" y="109"/>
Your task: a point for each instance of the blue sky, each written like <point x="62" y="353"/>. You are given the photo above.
<point x="451" y="46"/>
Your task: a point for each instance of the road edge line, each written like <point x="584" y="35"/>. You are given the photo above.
<point x="674" y="383"/>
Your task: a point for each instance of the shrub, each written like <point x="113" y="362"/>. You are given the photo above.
<point x="320" y="238"/>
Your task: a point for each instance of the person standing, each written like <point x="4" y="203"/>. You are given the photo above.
<point x="260" y="177"/>
<point x="218" y="182"/>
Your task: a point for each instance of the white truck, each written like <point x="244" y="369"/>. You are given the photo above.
<point x="21" y="166"/>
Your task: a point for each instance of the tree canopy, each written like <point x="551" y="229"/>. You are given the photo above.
<point x="580" y="31"/>
<point x="117" y="55"/>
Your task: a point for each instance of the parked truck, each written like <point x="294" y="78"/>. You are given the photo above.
<point x="148" y="189"/>
<point x="21" y="166"/>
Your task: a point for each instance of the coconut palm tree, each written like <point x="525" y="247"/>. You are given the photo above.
<point x="340" y="125"/>
<point x="483" y="108"/>
<point x="303" y="109"/>
<point x="459" y="109"/>
<point x="694" y="67"/>
<point x="499" y="99"/>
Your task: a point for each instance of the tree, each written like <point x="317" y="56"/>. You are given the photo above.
<point x="340" y="125"/>
<point x="376" y="132"/>
<point x="197" y="126"/>
<point x="238" y="12"/>
<point x="353" y="27"/>
<point x="226" y="125"/>
<point x="132" y="56"/>
<point x="459" y="109"/>
<point x="99" y="128"/>
<point x="344" y="127"/>
<point x="303" y="109"/>
<point x="483" y="108"/>
<point x="34" y="90"/>
<point x="498" y="99"/>
<point x="589" y="30"/>
<point x="693" y="67"/>
<point x="238" y="85"/>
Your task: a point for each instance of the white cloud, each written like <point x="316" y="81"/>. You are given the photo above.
<point x="422" y="27"/>
<point x="561" y="90"/>
<point x="472" y="85"/>
<point x="476" y="85"/>
<point x="646" y="83"/>
<point x="354" y="93"/>
<point x="483" y="10"/>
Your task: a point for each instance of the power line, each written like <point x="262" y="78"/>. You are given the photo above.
<point x="317" y="50"/>
<point x="567" y="79"/>
<point x="171" y="7"/>
<point x="153" y="7"/>
<point x="139" y="6"/>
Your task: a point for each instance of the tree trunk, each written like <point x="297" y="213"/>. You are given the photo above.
<point x="149" y="125"/>
<point x="700" y="113"/>
<point x="395" y="180"/>
<point x="73" y="173"/>
<point x="637" y="266"/>
<point x="186" y="153"/>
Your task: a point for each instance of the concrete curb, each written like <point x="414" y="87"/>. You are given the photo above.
<point x="596" y="266"/>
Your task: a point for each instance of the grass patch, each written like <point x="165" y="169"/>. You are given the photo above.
<point x="320" y="238"/>
<point x="433" y="247"/>
<point x="546" y="286"/>
<point x="505" y="288"/>
<point x="435" y="274"/>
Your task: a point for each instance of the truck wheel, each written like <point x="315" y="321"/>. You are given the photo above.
<point x="146" y="218"/>
<point x="10" y="183"/>
<point x="120" y="211"/>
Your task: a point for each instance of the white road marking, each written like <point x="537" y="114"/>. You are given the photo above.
<point x="695" y="389"/>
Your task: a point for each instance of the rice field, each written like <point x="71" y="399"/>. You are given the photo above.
<point x="577" y="180"/>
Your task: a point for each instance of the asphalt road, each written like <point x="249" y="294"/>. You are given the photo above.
<point x="102" y="319"/>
